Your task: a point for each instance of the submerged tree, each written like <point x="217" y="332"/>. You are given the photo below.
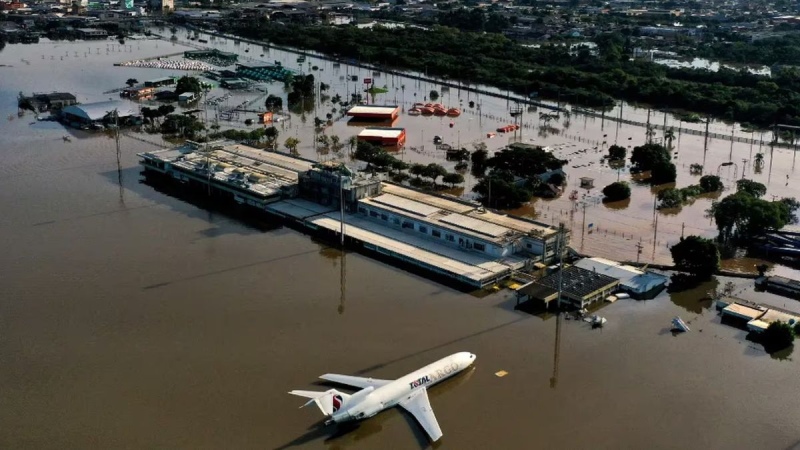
<point x="697" y="256"/>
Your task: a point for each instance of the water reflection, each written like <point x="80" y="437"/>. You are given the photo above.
<point x="693" y="297"/>
<point x="618" y="205"/>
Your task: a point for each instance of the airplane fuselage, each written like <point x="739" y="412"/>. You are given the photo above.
<point x="370" y="401"/>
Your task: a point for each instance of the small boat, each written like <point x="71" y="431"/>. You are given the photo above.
<point x="679" y="325"/>
<point x="453" y="112"/>
<point x="426" y="111"/>
<point x="419" y="105"/>
<point x="491" y="135"/>
<point x="439" y="112"/>
<point x="414" y="112"/>
<point x="439" y="106"/>
<point x="429" y="105"/>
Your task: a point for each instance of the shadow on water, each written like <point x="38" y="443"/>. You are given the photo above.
<point x="206" y="209"/>
<point x="439" y="346"/>
<point x="691" y="295"/>
<point x="344" y="435"/>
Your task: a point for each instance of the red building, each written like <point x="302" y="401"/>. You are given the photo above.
<point x="374" y="112"/>
<point x="384" y="136"/>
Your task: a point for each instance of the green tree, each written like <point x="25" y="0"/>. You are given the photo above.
<point x="525" y="161"/>
<point x="711" y="183"/>
<point x="418" y="170"/>
<point x="271" y="134"/>
<point x="619" y="190"/>
<point x="291" y="144"/>
<point x="751" y="187"/>
<point x="453" y="179"/>
<point x="697" y="256"/>
<point x="759" y="161"/>
<point x="669" y="198"/>
<point x="498" y="190"/>
<point x="273" y="103"/>
<point x="669" y="136"/>
<point x="434" y="171"/>
<point x="479" y="158"/>
<point x="132" y="82"/>
<point x="433" y="95"/>
<point x="188" y="84"/>
<point x="777" y="336"/>
<point x="647" y="156"/>
<point x="617" y="152"/>
<point x="663" y="172"/>
<point x="367" y="152"/>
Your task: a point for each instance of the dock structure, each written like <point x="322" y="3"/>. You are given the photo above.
<point x="447" y="237"/>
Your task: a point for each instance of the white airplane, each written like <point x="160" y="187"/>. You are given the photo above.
<point x="375" y="395"/>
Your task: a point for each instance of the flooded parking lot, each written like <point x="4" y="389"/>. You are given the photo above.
<point x="132" y="318"/>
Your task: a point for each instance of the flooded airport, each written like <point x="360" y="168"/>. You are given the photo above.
<point x="134" y="317"/>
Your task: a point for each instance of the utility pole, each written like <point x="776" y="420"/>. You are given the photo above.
<point x="705" y="141"/>
<point x="683" y="225"/>
<point x="560" y="245"/>
<point x="639" y="248"/>
<point x="341" y="206"/>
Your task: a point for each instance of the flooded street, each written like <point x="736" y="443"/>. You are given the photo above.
<point x="135" y="319"/>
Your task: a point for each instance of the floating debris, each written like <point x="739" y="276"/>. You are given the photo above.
<point x="679" y="325"/>
<point x="500" y="374"/>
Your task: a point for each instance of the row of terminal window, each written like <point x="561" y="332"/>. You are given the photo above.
<point x="422" y="228"/>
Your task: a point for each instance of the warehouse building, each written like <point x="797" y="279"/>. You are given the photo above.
<point x="87" y="114"/>
<point x="393" y="138"/>
<point x="376" y="113"/>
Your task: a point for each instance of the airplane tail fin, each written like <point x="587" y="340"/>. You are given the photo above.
<point x="328" y="402"/>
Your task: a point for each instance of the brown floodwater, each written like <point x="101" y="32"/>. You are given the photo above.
<point x="135" y="318"/>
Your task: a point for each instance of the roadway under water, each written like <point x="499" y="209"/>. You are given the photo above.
<point x="135" y="319"/>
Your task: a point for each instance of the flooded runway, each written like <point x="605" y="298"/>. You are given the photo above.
<point x="135" y="319"/>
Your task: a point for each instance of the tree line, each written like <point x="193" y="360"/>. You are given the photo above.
<point x="552" y="71"/>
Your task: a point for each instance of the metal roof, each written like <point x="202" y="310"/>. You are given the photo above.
<point x="476" y="225"/>
<point x="404" y="204"/>
<point x="577" y="282"/>
<point x="373" y="109"/>
<point x="382" y="132"/>
<point x="97" y="111"/>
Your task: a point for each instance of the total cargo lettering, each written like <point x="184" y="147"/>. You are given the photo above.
<point x="419" y="382"/>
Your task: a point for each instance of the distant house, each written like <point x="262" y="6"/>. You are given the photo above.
<point x="187" y="97"/>
<point x="48" y="102"/>
<point x="91" y="33"/>
<point x="166" y="96"/>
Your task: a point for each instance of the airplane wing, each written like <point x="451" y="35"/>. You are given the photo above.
<point x="420" y="407"/>
<point x="359" y="382"/>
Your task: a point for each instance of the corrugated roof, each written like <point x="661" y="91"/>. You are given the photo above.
<point x="97" y="111"/>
